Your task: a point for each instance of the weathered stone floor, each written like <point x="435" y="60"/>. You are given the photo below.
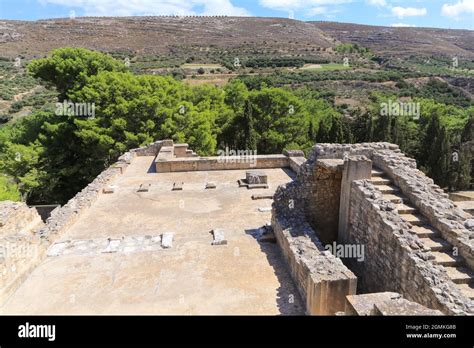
<point x="193" y="277"/>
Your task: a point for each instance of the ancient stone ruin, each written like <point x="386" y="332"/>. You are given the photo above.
<point x="352" y="230"/>
<point x="416" y="242"/>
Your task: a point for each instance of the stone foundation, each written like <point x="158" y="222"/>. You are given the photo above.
<point x="20" y="249"/>
<point x="395" y="257"/>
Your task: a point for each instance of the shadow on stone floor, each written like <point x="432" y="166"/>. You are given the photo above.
<point x="288" y="298"/>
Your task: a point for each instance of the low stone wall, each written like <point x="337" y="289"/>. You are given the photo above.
<point x="187" y="164"/>
<point x="296" y="163"/>
<point x="16" y="217"/>
<point x="394" y="259"/>
<point x="322" y="279"/>
<point x="62" y="218"/>
<point x="153" y="149"/>
<point x="385" y="303"/>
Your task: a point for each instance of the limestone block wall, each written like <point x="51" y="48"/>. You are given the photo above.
<point x="394" y="259"/>
<point x="296" y="163"/>
<point x="20" y="249"/>
<point x="62" y="218"/>
<point x="16" y="217"/>
<point x="322" y="279"/>
<point x="185" y="164"/>
<point x="322" y="201"/>
<point x="153" y="149"/>
<point x="430" y="200"/>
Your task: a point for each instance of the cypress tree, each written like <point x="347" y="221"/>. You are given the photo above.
<point x="323" y="133"/>
<point x="311" y="133"/>
<point x="336" y="134"/>
<point x="250" y="136"/>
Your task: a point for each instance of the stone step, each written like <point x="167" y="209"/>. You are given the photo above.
<point x="460" y="275"/>
<point x="436" y="244"/>
<point x="444" y="258"/>
<point x="403" y="208"/>
<point x="425" y="231"/>
<point x="467" y="290"/>
<point x="380" y="181"/>
<point x="414" y="219"/>
<point x="377" y="172"/>
<point x="394" y="198"/>
<point x="387" y="189"/>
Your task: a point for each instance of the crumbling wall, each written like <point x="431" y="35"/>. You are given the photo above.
<point x="15" y="217"/>
<point x="322" y="279"/>
<point x="430" y="200"/>
<point x="323" y="198"/>
<point x="20" y="249"/>
<point x="394" y="258"/>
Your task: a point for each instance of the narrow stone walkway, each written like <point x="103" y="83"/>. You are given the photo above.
<point x="455" y="266"/>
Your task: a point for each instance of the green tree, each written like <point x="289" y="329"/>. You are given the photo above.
<point x="336" y="133"/>
<point x="68" y="68"/>
<point x="8" y="190"/>
<point x="323" y="133"/>
<point x="20" y="162"/>
<point x="250" y="136"/>
<point x="438" y="153"/>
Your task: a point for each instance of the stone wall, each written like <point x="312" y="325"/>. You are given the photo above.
<point x="187" y="164"/>
<point x="323" y="192"/>
<point x="430" y="200"/>
<point x="385" y="303"/>
<point x="62" y="218"/>
<point x="394" y="259"/>
<point x="322" y="279"/>
<point x="20" y="249"/>
<point x="16" y="217"/>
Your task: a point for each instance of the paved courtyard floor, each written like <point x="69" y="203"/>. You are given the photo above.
<point x="193" y="277"/>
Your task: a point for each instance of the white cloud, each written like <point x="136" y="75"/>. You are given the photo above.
<point x="287" y="5"/>
<point x="402" y="25"/>
<point x="153" y="7"/>
<point x="402" y="12"/>
<point x="455" y="10"/>
<point x="317" y="11"/>
<point x="381" y="3"/>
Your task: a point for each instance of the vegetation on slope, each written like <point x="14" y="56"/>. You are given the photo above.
<point x="51" y="156"/>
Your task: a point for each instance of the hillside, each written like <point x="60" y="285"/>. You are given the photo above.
<point x="403" y="42"/>
<point x="158" y="35"/>
<point x="165" y="35"/>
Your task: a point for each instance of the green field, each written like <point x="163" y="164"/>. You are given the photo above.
<point x="204" y="66"/>
<point x="324" y="67"/>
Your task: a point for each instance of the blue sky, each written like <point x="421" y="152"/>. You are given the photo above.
<point x="457" y="14"/>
